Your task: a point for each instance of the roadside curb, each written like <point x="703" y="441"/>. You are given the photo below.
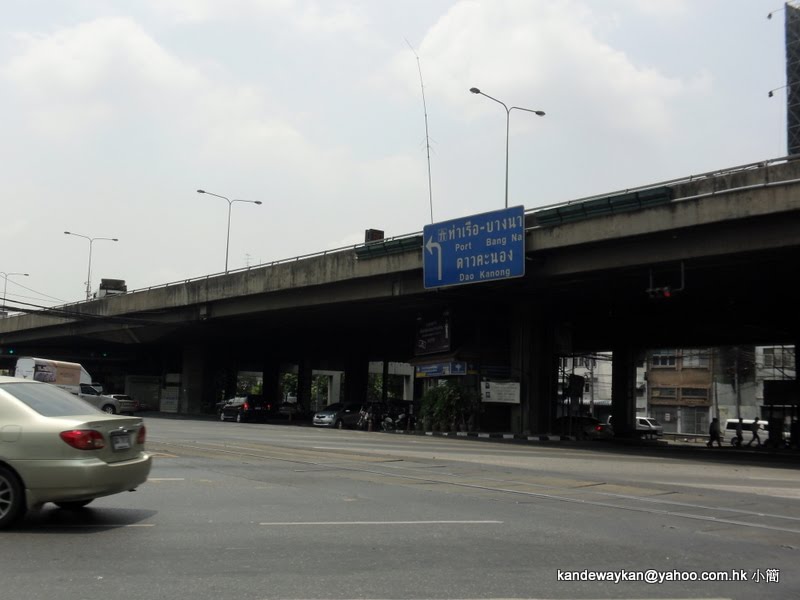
<point x="527" y="438"/>
<point x="553" y="440"/>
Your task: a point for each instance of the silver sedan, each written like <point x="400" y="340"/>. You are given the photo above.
<point x="55" y="447"/>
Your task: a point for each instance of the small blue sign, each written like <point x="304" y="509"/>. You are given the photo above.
<point x="443" y="369"/>
<point x="484" y="247"/>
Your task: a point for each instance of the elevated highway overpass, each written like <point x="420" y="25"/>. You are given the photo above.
<point x="726" y="243"/>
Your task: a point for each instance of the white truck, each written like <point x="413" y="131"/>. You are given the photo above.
<point x="71" y="377"/>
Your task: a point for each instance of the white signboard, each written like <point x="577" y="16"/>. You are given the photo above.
<point x="496" y="391"/>
<point x="169" y="399"/>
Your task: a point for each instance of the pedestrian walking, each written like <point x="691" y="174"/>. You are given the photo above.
<point x="754" y="428"/>
<point x="713" y="433"/>
<point x="739" y="435"/>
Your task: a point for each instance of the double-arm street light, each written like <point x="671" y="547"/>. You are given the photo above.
<point x="5" y="288"/>
<point x="230" y="204"/>
<point x="89" y="274"/>
<point x="508" y="118"/>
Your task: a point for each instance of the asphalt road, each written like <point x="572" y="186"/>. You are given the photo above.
<point x="252" y="511"/>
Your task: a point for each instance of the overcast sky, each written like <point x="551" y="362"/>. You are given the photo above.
<point x="113" y="114"/>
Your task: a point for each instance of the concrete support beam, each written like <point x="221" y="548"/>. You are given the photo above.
<point x="304" y="380"/>
<point x="231" y="378"/>
<point x="271" y="377"/>
<point x="534" y="362"/>
<point x="197" y="388"/>
<point x="356" y="379"/>
<point x="385" y="381"/>
<point x="520" y="360"/>
<point x="623" y="389"/>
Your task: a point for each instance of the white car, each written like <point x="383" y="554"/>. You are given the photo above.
<point x="127" y="405"/>
<point x="648" y="427"/>
<point x="107" y="403"/>
<point x="57" y="448"/>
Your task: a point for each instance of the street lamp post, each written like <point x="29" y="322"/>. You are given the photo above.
<point x="89" y="273"/>
<point x="508" y="118"/>
<point x="230" y="204"/>
<point x="5" y="288"/>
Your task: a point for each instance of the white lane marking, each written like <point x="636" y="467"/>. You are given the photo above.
<point x="95" y="526"/>
<point x="166" y="479"/>
<point x="288" y="523"/>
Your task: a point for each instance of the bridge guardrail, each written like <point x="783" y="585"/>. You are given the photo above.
<point x="354" y="247"/>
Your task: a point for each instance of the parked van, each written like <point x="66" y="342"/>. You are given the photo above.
<point x="747" y="424"/>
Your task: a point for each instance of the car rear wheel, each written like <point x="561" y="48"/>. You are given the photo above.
<point x="12" y="498"/>
<point x="339" y="424"/>
<point x="221" y="416"/>
<point x="109" y="408"/>
<point x="239" y="418"/>
<point x="73" y="504"/>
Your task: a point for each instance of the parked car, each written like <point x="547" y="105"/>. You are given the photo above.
<point x="218" y="406"/>
<point x="583" y="428"/>
<point x="127" y="405"/>
<point x="292" y="411"/>
<point x="246" y="408"/>
<point x="94" y="395"/>
<point x="338" y="415"/>
<point x="648" y="427"/>
<point x="64" y="450"/>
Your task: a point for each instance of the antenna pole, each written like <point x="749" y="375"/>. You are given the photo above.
<point x="427" y="138"/>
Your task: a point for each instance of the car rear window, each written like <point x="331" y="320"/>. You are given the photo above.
<point x="48" y="400"/>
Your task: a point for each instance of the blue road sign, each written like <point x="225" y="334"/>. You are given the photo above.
<point x="484" y="247"/>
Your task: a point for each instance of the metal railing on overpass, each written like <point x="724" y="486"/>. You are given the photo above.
<point x="410" y="240"/>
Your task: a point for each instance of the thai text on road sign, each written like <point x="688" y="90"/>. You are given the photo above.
<point x="484" y="247"/>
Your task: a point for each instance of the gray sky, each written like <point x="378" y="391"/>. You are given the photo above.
<point x="113" y="113"/>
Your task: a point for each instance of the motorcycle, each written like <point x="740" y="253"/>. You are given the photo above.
<point x="400" y="423"/>
<point x="388" y="424"/>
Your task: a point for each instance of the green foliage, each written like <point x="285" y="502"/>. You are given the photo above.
<point x="248" y="384"/>
<point x="288" y="384"/>
<point x="450" y="405"/>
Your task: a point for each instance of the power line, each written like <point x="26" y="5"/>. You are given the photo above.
<point x="64" y="313"/>
<point x="35" y="291"/>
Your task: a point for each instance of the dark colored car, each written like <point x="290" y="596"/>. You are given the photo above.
<point x="246" y="408"/>
<point x="583" y="428"/>
<point x="292" y="411"/>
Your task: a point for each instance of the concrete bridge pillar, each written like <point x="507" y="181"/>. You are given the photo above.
<point x="271" y="377"/>
<point x="231" y="379"/>
<point x="304" y="380"/>
<point x="356" y="378"/>
<point x="197" y="385"/>
<point x="623" y="389"/>
<point x="534" y="363"/>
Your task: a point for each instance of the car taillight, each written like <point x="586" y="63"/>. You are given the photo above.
<point x="598" y="428"/>
<point x="245" y="406"/>
<point x="141" y="435"/>
<point x="269" y="406"/>
<point x="84" y="439"/>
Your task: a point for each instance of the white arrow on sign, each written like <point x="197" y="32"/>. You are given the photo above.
<point x="429" y="247"/>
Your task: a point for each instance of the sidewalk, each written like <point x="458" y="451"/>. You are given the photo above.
<point x="695" y="445"/>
